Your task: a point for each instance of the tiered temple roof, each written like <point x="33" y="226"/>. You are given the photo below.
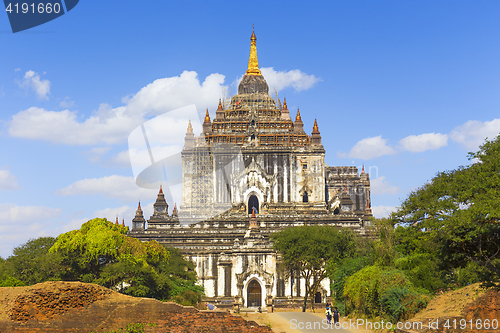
<point x="253" y="118"/>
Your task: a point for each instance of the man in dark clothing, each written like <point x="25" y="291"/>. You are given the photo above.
<point x="335" y="316"/>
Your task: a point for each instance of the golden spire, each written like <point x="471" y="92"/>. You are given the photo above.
<point x="207" y="117"/>
<point x="220" y="105"/>
<point x="315" y="127"/>
<point x="298" y="116"/>
<point x="253" y="62"/>
<point x="190" y="128"/>
<point x="284" y="105"/>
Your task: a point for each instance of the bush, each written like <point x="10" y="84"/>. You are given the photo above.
<point x="402" y="303"/>
<point x="382" y="292"/>
<point x="11" y="282"/>
<point x="187" y="297"/>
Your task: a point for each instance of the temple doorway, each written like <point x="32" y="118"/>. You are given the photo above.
<point x="253" y="202"/>
<point x="317" y="297"/>
<point x="254" y="294"/>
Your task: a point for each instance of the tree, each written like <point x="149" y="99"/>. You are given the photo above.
<point x="459" y="210"/>
<point x="308" y="249"/>
<point x="100" y="252"/>
<point x="32" y="263"/>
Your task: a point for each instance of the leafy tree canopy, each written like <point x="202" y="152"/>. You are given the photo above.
<point x="307" y="250"/>
<point x="456" y="216"/>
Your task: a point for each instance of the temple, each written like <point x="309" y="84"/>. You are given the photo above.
<point x="251" y="172"/>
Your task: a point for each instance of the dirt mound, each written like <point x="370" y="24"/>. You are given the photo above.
<point x="83" y="308"/>
<point x="44" y="301"/>
<point x="452" y="303"/>
<point x="470" y="309"/>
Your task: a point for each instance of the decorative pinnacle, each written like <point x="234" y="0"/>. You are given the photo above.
<point x="253" y="62"/>
<point x="284" y="105"/>
<point x="116" y="220"/>
<point x="220" y="105"/>
<point x="298" y="116"/>
<point x="161" y="191"/>
<point x="139" y="206"/>
<point x="190" y="128"/>
<point x="207" y="117"/>
<point x="363" y="169"/>
<point x="315" y="127"/>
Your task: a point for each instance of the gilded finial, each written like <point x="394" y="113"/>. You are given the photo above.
<point x="253" y="62"/>
<point x="207" y="117"/>
<point x="190" y="128"/>
<point x="298" y="116"/>
<point x="220" y="105"/>
<point x="161" y="191"/>
<point x="363" y="169"/>
<point x="284" y="105"/>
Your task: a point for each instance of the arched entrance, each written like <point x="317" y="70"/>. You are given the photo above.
<point x="254" y="294"/>
<point x="253" y="201"/>
<point x="305" y="197"/>
<point x="317" y="297"/>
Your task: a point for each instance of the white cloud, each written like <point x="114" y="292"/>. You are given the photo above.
<point x="32" y="81"/>
<point x="380" y="186"/>
<point x="175" y="92"/>
<point x="112" y="125"/>
<point x="473" y="133"/>
<point x="96" y="153"/>
<point x="109" y="126"/>
<point x="116" y="187"/>
<point x="294" y="78"/>
<point x="8" y="181"/>
<point x="423" y="142"/>
<point x="123" y="213"/>
<point x="66" y="103"/>
<point x="122" y="159"/>
<point x="383" y="211"/>
<point x="11" y="213"/>
<point x="20" y="223"/>
<point x="370" y="148"/>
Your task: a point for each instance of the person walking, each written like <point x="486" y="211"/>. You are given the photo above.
<point x="328" y="315"/>
<point x="335" y="316"/>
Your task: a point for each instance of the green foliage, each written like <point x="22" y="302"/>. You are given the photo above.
<point x="456" y="217"/>
<point x="382" y="292"/>
<point x="310" y="250"/>
<point x="32" y="263"/>
<point x="11" y="282"/>
<point x="342" y="271"/>
<point x="422" y="269"/>
<point x="131" y="328"/>
<point x="187" y="297"/>
<point x="469" y="274"/>
<point x="400" y="303"/>
<point x="100" y="252"/>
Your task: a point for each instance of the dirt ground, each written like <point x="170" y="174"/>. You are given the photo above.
<point x="280" y="325"/>
<point x="450" y="304"/>
<point x="447" y="304"/>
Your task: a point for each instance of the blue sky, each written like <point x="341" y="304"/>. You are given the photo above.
<point x="406" y="88"/>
